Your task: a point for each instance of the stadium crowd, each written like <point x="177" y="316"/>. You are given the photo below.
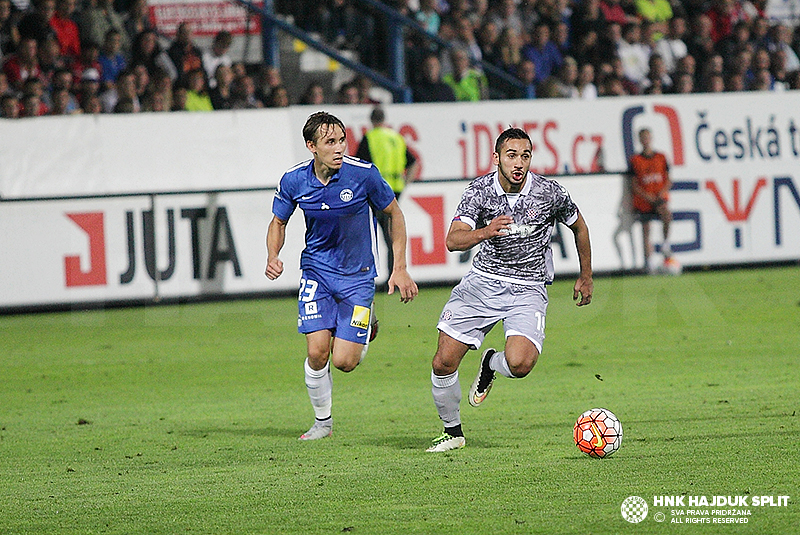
<point x="105" y="56"/>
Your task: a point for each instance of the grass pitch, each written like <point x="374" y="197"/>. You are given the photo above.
<point x="184" y="419"/>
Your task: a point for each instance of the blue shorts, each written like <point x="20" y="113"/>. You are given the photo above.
<point x="341" y="305"/>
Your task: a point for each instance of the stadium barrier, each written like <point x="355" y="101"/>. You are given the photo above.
<point x="139" y="208"/>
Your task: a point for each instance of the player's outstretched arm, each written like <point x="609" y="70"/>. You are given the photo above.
<point x="400" y="277"/>
<point x="276" y="237"/>
<point x="462" y="237"/>
<point x="584" y="286"/>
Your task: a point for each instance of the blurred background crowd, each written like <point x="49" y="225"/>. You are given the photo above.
<point x="106" y="56"/>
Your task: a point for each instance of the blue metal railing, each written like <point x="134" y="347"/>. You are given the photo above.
<point x="396" y="24"/>
<point x="270" y="23"/>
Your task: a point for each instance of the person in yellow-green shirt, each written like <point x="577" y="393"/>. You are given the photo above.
<point x="387" y="149"/>
<point x="197" y="97"/>
<point x="468" y="84"/>
<point x="659" y="12"/>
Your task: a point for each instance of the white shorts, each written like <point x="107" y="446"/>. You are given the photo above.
<point x="477" y="303"/>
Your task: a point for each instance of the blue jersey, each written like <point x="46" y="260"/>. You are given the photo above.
<point x="341" y="229"/>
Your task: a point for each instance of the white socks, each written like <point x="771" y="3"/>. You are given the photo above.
<point x="499" y="364"/>
<point x="320" y="390"/>
<point x="447" y="397"/>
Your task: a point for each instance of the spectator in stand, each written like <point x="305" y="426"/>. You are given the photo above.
<point x="585" y="84"/>
<point x="279" y="98"/>
<point x="761" y="62"/>
<point x="586" y="48"/>
<point x="32" y="106"/>
<point x="197" y="98"/>
<point x="112" y="61"/>
<point x="609" y="42"/>
<point x="4" y="87"/>
<point x="244" y="93"/>
<point x="95" y="20"/>
<point x="479" y="13"/>
<point x="9" y="34"/>
<point x="92" y="105"/>
<point x="143" y="85"/>
<point x="428" y="16"/>
<point x="88" y="60"/>
<point x="468" y="84"/>
<point x="587" y="17"/>
<point x="657" y="70"/>
<point x="543" y="52"/>
<point x="488" y="36"/>
<point x="366" y="91"/>
<point x="137" y="19"/>
<point x="185" y="55"/>
<point x="561" y="38"/>
<point x="614" y="12"/>
<point x="9" y="106"/>
<point x="762" y="81"/>
<point x="147" y="51"/>
<point x="658" y="12"/>
<point x="508" y="51"/>
<point x="88" y="86"/>
<point x="714" y="84"/>
<point x="431" y="88"/>
<point x="684" y="84"/>
<point x="506" y="15"/>
<point x="348" y="94"/>
<point x="700" y="45"/>
<point x="313" y="95"/>
<point x="729" y="46"/>
<point x="22" y="64"/>
<point x="759" y="33"/>
<point x="629" y="86"/>
<point x="123" y="88"/>
<point x="672" y="46"/>
<point x="780" y="77"/>
<point x="49" y="58"/>
<point x="63" y="103"/>
<point x="561" y="85"/>
<point x="221" y="94"/>
<point x="178" y="97"/>
<point x="612" y="87"/>
<point x="465" y="38"/>
<point x="634" y="54"/>
<point x="66" y="30"/>
<point x="267" y="78"/>
<point x="217" y="55"/>
<point x="526" y="72"/>
<point x="35" y="23"/>
<point x="781" y="41"/>
<point x="723" y="15"/>
<point x="62" y="80"/>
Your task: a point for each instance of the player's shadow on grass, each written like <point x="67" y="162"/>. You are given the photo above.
<point x="417" y="442"/>
<point x="275" y="432"/>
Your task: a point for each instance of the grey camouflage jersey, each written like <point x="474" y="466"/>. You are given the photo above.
<point x="522" y="256"/>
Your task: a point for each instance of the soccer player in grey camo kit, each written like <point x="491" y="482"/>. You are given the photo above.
<point x="511" y="213"/>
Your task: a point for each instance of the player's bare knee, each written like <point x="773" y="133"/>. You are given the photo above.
<point x="443" y="364"/>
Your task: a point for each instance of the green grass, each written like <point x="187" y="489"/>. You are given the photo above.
<point x="184" y="419"/>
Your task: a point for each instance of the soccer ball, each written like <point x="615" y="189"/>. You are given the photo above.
<point x="598" y="433"/>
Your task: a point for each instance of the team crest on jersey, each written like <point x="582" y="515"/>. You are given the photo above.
<point x="531" y="213"/>
<point x="346" y="195"/>
<point x="360" y="317"/>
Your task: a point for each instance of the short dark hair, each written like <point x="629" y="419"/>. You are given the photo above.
<point x="316" y="121"/>
<point x="377" y="116"/>
<point x="511" y="133"/>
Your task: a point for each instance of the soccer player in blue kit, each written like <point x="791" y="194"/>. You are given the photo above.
<point x="337" y="195"/>
<point x="511" y="213"/>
